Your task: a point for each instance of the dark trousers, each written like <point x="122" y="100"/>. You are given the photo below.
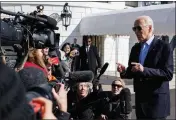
<point x="140" y="114"/>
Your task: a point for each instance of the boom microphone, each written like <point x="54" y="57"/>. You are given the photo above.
<point x="103" y="69"/>
<point x="80" y="76"/>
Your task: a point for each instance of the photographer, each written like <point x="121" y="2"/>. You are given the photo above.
<point x="119" y="104"/>
<point x="34" y="71"/>
<point x="69" y="60"/>
<point x="13" y="103"/>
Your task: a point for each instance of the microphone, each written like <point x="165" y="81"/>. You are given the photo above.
<point x="80" y="76"/>
<point x="125" y="101"/>
<point x="103" y="69"/>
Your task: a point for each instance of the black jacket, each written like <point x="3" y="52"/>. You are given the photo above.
<point x="92" y="56"/>
<point x="117" y="107"/>
<point x="84" y="109"/>
<point x="152" y="85"/>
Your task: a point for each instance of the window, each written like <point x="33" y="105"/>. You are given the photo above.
<point x="148" y="3"/>
<point x="166" y="2"/>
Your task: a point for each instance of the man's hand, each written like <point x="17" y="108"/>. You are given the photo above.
<point x="61" y="97"/>
<point x="120" y="68"/>
<point x="136" y="67"/>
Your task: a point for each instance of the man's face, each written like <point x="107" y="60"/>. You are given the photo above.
<point x="75" y="41"/>
<point x="82" y="89"/>
<point x="142" y="30"/>
<point x="89" y="41"/>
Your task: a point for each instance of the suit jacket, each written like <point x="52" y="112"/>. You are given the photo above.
<point x="152" y="85"/>
<point x="75" y="46"/>
<point x="94" y="60"/>
<point x="173" y="43"/>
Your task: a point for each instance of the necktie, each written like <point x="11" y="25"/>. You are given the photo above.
<point x="143" y="53"/>
<point x="87" y="49"/>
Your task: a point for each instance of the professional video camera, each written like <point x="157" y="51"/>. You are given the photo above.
<point x="31" y="30"/>
<point x="16" y="35"/>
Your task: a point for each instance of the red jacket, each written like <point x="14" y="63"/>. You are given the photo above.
<point x="30" y="64"/>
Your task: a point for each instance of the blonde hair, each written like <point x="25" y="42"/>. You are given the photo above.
<point x="33" y="57"/>
<point x="120" y="80"/>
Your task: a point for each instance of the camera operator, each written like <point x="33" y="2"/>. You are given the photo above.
<point x="70" y="59"/>
<point x="34" y="71"/>
<point x="119" y="104"/>
<point x="13" y="103"/>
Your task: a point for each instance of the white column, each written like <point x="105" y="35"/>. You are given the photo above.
<point x="122" y="50"/>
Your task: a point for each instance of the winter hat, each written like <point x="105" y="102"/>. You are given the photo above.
<point x="32" y="77"/>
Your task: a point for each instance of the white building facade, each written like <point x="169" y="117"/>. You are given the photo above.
<point x="109" y="46"/>
<point x="78" y="9"/>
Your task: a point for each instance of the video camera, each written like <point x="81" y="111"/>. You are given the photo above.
<point x="24" y="30"/>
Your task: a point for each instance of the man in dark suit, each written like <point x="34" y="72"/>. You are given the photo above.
<point x="75" y="45"/>
<point x="151" y="67"/>
<point x="89" y="57"/>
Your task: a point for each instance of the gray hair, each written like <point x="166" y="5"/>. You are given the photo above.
<point x="148" y="20"/>
<point x="89" y="84"/>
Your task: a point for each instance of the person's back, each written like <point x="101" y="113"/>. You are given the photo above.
<point x="13" y="104"/>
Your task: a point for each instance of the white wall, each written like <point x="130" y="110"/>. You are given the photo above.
<point x="116" y="50"/>
<point x="79" y="10"/>
<point x="110" y="54"/>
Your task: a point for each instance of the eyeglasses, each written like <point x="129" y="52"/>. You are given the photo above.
<point x="115" y="85"/>
<point x="89" y="41"/>
<point x="139" y="28"/>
